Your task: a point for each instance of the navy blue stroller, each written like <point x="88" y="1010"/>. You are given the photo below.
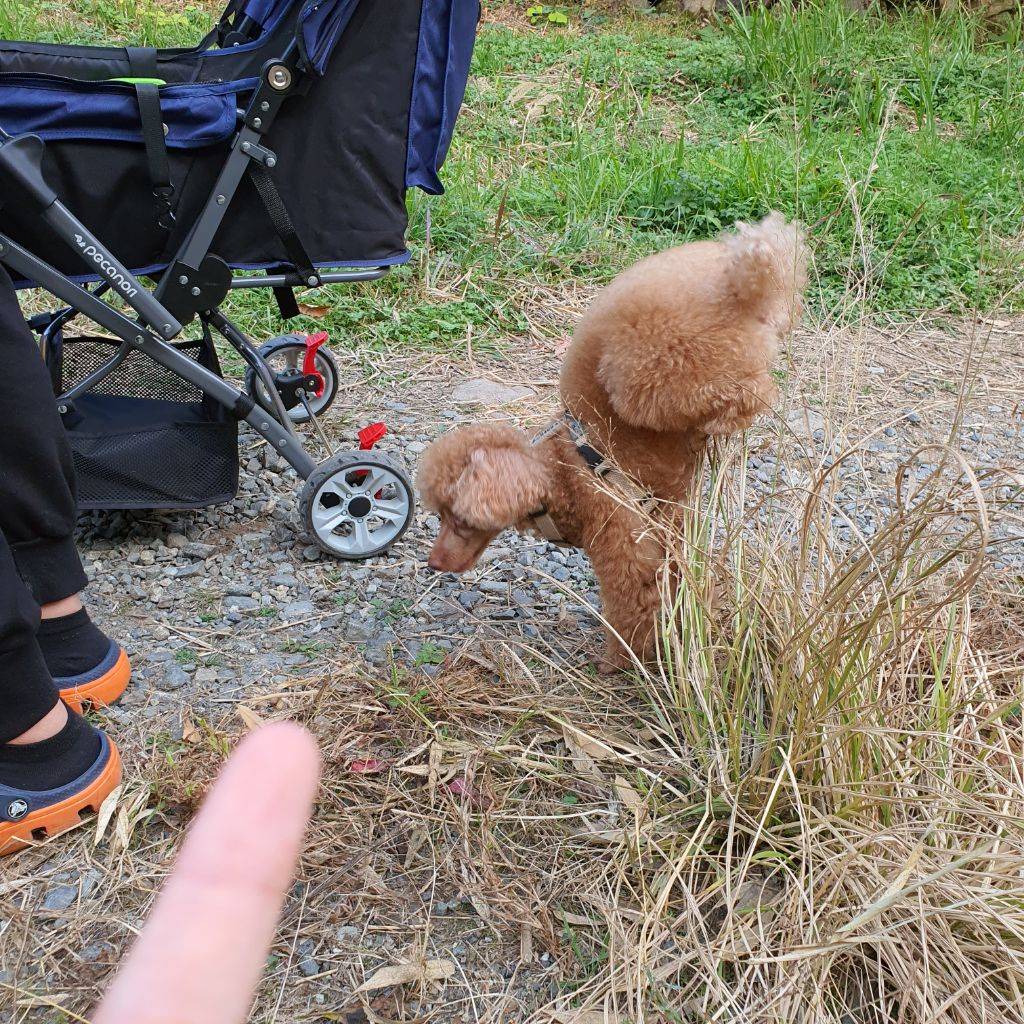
<point x="277" y="154"/>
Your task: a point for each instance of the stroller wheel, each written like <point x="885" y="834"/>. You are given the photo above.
<point x="357" y="504"/>
<point x="286" y="355"/>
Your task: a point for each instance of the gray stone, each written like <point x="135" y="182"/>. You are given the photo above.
<point x="308" y="967"/>
<point x="805" y="421"/>
<point x="469" y="599"/>
<point x="60" y="897"/>
<point x="238" y="603"/>
<point x="298" y="610"/>
<point x="378" y="650"/>
<point x="172" y="677"/>
<point x="489" y="393"/>
<point x="194" y="549"/>
<point x="358" y="630"/>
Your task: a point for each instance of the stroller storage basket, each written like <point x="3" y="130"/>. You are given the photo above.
<point x="144" y="437"/>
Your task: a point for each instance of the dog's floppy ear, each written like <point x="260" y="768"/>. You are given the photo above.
<point x="499" y="486"/>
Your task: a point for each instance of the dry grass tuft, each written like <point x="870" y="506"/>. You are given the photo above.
<point x="826" y="795"/>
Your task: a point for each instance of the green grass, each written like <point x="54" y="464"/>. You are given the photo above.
<point x="897" y="138"/>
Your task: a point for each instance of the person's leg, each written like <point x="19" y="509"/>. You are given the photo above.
<point x="37" y="516"/>
<point x="27" y="692"/>
<point x="37" y="490"/>
<point x="53" y="764"/>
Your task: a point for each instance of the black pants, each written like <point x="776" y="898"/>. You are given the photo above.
<point x="38" y="560"/>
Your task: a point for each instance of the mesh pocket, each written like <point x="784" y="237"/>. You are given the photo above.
<point x="143" y="437"/>
<point x="137" y="377"/>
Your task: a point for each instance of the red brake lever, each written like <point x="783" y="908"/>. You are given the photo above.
<point x="368" y="437"/>
<point x="313" y="344"/>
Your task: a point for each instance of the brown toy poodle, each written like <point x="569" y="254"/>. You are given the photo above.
<point x="677" y="349"/>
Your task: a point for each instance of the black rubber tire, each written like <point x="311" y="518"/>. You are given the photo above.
<point x="331" y="379"/>
<point x="342" y="462"/>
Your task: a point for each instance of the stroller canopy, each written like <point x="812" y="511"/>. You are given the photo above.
<point x="386" y="81"/>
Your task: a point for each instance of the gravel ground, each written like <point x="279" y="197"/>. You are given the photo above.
<point x="214" y="603"/>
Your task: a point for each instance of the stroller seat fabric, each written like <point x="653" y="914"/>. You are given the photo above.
<point x="284" y="141"/>
<point x="386" y="82"/>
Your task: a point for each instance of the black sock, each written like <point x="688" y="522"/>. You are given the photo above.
<point x="54" y="762"/>
<point x="72" y="644"/>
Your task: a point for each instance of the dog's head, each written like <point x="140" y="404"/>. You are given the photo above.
<point x="480" y="480"/>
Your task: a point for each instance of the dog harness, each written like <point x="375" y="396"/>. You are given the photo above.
<point x="600" y="465"/>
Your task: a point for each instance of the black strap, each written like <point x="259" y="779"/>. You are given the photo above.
<point x="287" y="304"/>
<point x="282" y="222"/>
<point x="156" y="152"/>
<point x="142" y="62"/>
<point x="590" y="455"/>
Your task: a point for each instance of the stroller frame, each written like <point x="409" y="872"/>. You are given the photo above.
<point x="193" y="286"/>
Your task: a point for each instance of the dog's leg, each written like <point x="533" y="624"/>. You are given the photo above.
<point x="627" y="572"/>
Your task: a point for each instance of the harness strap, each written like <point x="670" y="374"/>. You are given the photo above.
<point x="547" y="527"/>
<point x="600" y="466"/>
<point x="287" y="304"/>
<point x="155" y="140"/>
<point x="282" y="222"/>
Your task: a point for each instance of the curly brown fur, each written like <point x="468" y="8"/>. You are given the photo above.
<point x="675" y="350"/>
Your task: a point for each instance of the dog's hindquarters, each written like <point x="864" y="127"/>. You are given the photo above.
<point x="687" y="339"/>
<point x="767" y="270"/>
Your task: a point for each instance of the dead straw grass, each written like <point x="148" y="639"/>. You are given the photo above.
<point x="811" y="811"/>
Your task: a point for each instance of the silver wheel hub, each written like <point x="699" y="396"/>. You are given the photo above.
<point x="360" y="509"/>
